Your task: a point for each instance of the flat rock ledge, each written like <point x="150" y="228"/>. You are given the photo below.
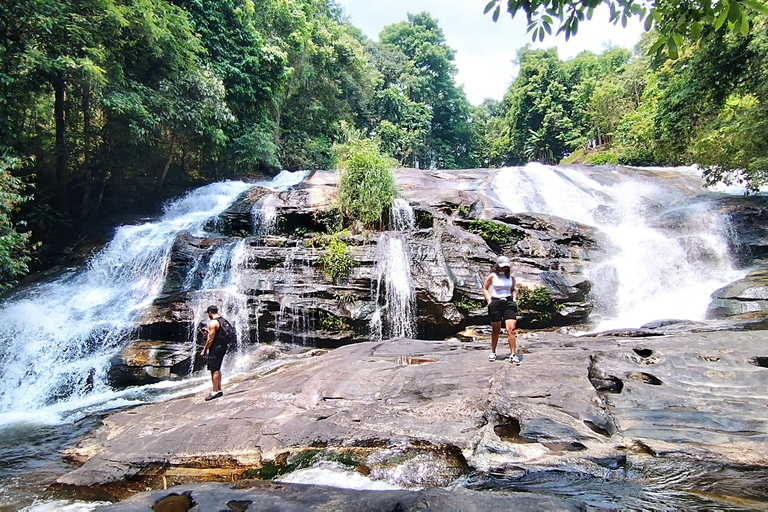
<point x="255" y="495"/>
<point x="586" y="404"/>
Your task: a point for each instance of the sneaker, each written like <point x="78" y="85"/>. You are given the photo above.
<point x="214" y="395"/>
<point x="492" y="357"/>
<point x="514" y="359"/>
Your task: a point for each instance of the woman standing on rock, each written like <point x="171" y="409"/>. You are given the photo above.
<point x="500" y="294"/>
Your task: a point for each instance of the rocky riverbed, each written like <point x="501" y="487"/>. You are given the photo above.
<point x="426" y="414"/>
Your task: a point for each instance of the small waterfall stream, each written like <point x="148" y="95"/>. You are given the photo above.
<point x="669" y="248"/>
<point x="391" y="280"/>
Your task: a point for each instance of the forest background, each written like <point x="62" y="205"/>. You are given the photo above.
<point x="112" y="106"/>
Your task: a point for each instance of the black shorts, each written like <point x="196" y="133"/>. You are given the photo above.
<point x="215" y="357"/>
<point x="502" y="309"/>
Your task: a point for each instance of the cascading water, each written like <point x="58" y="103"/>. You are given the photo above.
<point x="264" y="215"/>
<point x="391" y="279"/>
<point x="670" y="247"/>
<point x="294" y="320"/>
<point x="58" y="337"/>
<point x="403" y="217"/>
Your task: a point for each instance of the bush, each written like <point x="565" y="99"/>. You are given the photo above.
<point x="538" y="300"/>
<point x="499" y="236"/>
<point x="337" y="262"/>
<point x="14" y="246"/>
<point x="367" y="189"/>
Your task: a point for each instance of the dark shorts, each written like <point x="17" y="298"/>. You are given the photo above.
<point x="502" y="309"/>
<point x="215" y="357"/>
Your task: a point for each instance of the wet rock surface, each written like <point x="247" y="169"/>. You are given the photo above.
<point x="254" y="495"/>
<point x="581" y="404"/>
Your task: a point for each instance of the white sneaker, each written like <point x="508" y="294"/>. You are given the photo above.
<point x="492" y="357"/>
<point x="514" y="359"/>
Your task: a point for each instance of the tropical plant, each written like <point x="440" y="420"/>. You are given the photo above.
<point x="337" y="262"/>
<point x="367" y="187"/>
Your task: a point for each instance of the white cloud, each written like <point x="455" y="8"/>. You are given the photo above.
<point x="484" y="49"/>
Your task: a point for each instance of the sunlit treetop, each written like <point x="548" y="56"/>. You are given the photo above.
<point x="674" y="20"/>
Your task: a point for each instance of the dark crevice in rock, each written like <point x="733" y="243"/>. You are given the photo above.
<point x="645" y="378"/>
<point x="606" y="429"/>
<point x="643" y="352"/>
<point x="760" y="361"/>
<point x="565" y="446"/>
<point x="601" y="382"/>
<point x="508" y="429"/>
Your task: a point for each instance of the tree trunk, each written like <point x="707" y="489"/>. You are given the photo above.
<point x="87" y="177"/>
<point x="60" y="149"/>
<point x="161" y="179"/>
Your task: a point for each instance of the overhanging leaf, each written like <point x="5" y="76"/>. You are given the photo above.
<point x="648" y="23"/>
<point x="696" y="30"/>
<point x="489" y="6"/>
<point x="496" y="13"/>
<point x="722" y="17"/>
<point x="756" y="6"/>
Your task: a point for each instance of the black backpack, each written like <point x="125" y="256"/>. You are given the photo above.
<point x="226" y="334"/>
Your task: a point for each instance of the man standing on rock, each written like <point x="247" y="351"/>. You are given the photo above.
<point x="219" y="333"/>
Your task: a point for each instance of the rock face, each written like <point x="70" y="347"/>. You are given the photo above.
<point x="268" y="270"/>
<point x="270" y="266"/>
<point x="399" y="409"/>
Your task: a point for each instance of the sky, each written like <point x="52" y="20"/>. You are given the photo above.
<point x="484" y="49"/>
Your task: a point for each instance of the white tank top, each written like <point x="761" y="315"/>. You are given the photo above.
<point x="500" y="286"/>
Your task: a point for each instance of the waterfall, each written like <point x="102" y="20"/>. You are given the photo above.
<point x="294" y="319"/>
<point x="264" y="215"/>
<point x="669" y="246"/>
<point x="393" y="289"/>
<point x="59" y="337"/>
<point x="403" y="218"/>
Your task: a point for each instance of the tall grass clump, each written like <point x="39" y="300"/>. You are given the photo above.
<point x="367" y="188"/>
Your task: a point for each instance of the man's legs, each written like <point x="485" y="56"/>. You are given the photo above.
<point x="216" y="380"/>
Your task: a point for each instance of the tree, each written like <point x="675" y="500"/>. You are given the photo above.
<point x="430" y="80"/>
<point x="674" y="21"/>
<point x="15" y="247"/>
<point x="539" y="102"/>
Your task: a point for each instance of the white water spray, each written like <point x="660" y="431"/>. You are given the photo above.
<point x="671" y="248"/>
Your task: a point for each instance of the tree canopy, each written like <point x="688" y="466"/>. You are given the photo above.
<point x="672" y="20"/>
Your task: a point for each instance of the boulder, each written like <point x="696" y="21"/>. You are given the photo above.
<point x="748" y="295"/>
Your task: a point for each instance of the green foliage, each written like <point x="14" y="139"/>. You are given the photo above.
<point x="345" y="299"/>
<point x="367" y="188"/>
<point x="674" y="21"/>
<point x="538" y="300"/>
<point x="466" y="304"/>
<point x="500" y="236"/>
<point x="603" y="158"/>
<point x="333" y="323"/>
<point x="337" y="262"/>
<point x="15" y="247"/>
<point x="427" y="114"/>
<point x="332" y="219"/>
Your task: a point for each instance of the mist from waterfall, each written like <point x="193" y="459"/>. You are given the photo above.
<point x="668" y="246"/>
<point x="59" y="337"/>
